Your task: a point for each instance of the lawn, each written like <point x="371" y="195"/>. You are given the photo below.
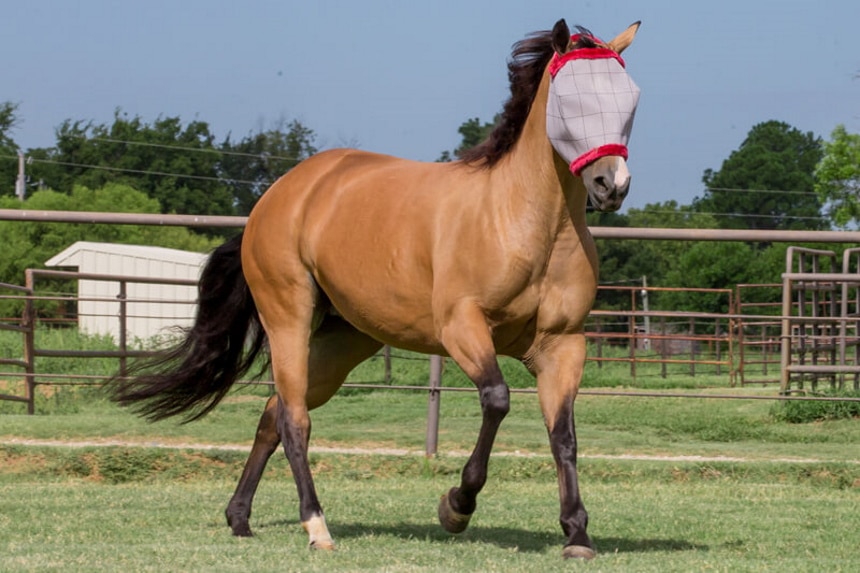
<point x="671" y="484"/>
<point x="58" y="511"/>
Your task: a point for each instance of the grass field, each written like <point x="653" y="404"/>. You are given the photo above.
<point x="142" y="508"/>
<point x="671" y="484"/>
<point x="645" y="517"/>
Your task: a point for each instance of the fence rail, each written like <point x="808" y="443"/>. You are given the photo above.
<point x="630" y="233"/>
<point x="748" y="336"/>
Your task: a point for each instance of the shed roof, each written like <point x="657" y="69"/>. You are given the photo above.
<point x="72" y="255"/>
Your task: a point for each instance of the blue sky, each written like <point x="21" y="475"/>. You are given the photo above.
<point x="399" y="77"/>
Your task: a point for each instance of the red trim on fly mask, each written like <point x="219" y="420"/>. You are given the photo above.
<point x="558" y="61"/>
<point x="593" y="155"/>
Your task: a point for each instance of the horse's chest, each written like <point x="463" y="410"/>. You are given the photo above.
<point x="569" y="287"/>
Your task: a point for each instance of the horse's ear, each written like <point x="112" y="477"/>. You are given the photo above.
<point x="560" y="37"/>
<point x="625" y="38"/>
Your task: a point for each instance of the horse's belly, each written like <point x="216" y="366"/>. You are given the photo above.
<point x="395" y="316"/>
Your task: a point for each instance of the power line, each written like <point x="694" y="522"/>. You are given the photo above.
<point x="199" y="149"/>
<point x="740" y="215"/>
<point x="141" y="171"/>
<point x="780" y="191"/>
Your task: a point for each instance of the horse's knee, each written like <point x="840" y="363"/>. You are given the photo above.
<point x="496" y="400"/>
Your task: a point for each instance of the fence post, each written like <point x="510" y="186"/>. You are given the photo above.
<point x="664" y="346"/>
<point x="432" y="439"/>
<point x="123" y="327"/>
<point x="785" y="337"/>
<point x="29" y="324"/>
<point x="693" y="347"/>
<point x="386" y="360"/>
<point x="719" y="350"/>
<point x="632" y="346"/>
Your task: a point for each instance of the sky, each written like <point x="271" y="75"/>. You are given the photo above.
<point x="400" y="77"/>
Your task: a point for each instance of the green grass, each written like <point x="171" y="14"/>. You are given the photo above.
<point x="739" y="506"/>
<point x="381" y="511"/>
<point x="799" y="412"/>
<point x="606" y="425"/>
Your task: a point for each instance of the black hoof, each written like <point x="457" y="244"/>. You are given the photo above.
<point x="451" y="520"/>
<point x="240" y="527"/>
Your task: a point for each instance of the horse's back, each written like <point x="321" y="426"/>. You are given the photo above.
<point x="362" y="227"/>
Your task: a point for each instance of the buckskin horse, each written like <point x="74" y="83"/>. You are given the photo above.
<point x="489" y="255"/>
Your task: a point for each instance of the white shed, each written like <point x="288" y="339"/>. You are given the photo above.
<point x="152" y="309"/>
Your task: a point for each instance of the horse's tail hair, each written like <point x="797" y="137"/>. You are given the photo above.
<point x="221" y="346"/>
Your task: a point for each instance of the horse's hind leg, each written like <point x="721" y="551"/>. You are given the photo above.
<point x="293" y="354"/>
<point x="469" y="343"/>
<point x="336" y="348"/>
<point x="266" y="441"/>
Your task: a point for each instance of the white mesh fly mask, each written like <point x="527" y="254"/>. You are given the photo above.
<point x="592" y="101"/>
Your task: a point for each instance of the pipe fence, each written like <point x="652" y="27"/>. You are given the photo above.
<point x="813" y="330"/>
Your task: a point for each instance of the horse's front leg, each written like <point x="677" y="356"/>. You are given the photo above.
<point x="558" y="364"/>
<point x="469" y="343"/>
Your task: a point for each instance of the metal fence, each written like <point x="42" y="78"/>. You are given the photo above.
<point x="808" y="336"/>
<point x="820" y="318"/>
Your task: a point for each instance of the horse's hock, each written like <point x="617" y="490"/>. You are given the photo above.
<point x="820" y="341"/>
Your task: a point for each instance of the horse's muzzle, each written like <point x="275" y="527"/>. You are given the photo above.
<point x="607" y="181"/>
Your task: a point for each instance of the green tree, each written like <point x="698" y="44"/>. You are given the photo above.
<point x="473" y="132"/>
<point x="29" y="244"/>
<point x="626" y="262"/>
<point x="8" y="148"/>
<point x="173" y="163"/>
<point x="838" y="177"/>
<point x="767" y="183"/>
<point x="711" y="265"/>
<point x="252" y="164"/>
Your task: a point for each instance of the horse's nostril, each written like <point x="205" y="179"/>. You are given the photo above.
<point x="601" y="183"/>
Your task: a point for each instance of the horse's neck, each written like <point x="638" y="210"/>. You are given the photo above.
<point x="537" y="183"/>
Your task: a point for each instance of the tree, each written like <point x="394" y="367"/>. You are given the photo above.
<point x="173" y="163"/>
<point x="28" y="244"/>
<point x="767" y="183"/>
<point x="8" y="148"/>
<point x="716" y="265"/>
<point x="838" y="177"/>
<point x="473" y="133"/>
<point x="252" y="164"/>
<point x="626" y="262"/>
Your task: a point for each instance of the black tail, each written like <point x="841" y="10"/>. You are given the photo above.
<point x="195" y="375"/>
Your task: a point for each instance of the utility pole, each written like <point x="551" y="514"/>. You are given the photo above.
<point x="19" y="182"/>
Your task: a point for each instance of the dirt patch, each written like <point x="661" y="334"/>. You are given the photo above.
<point x="21" y="463"/>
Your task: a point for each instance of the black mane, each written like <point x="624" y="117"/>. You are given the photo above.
<point x="529" y="58"/>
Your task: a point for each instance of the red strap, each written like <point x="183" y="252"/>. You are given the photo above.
<point x="558" y="61"/>
<point x="581" y="162"/>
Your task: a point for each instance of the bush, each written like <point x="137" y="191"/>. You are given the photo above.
<point x="805" y="411"/>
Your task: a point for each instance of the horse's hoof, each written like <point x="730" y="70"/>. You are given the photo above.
<point x="243" y="530"/>
<point x="240" y="528"/>
<point x="322" y="544"/>
<point x="452" y="521"/>
<point x="579" y="552"/>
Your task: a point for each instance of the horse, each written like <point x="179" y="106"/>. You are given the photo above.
<point x="484" y="256"/>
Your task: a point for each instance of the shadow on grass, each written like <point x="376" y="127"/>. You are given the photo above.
<point x="503" y="537"/>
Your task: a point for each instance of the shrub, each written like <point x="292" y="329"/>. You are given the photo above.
<point x="805" y="411"/>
